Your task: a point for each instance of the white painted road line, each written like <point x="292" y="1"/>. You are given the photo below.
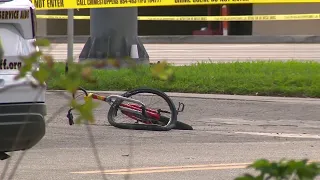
<point x="308" y="136"/>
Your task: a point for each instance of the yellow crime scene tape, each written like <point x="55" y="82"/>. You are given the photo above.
<point x="282" y="17"/>
<point x="81" y="4"/>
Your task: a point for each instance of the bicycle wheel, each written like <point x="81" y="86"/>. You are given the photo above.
<point x="138" y="122"/>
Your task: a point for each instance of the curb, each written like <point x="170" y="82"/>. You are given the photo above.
<point x="204" y="39"/>
<point x="294" y="100"/>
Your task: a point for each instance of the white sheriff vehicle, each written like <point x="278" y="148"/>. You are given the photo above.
<point x="22" y="108"/>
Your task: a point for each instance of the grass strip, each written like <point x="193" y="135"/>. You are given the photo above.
<point x="263" y="78"/>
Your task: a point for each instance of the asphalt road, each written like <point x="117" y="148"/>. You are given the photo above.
<point x="228" y="134"/>
<point x="185" y="54"/>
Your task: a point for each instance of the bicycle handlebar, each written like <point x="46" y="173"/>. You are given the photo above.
<point x="69" y="115"/>
<point x="83" y="90"/>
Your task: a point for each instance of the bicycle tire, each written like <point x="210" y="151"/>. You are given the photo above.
<point x="151" y="127"/>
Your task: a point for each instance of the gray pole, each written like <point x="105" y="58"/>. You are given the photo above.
<point x="70" y="34"/>
<point x="114" y="34"/>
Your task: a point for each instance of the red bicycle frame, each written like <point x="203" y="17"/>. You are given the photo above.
<point x="150" y="112"/>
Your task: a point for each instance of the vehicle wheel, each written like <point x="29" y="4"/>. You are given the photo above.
<point x="116" y="109"/>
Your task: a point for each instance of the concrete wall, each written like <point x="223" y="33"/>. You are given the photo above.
<point x="301" y="27"/>
<point x="59" y="26"/>
<point x="41" y="24"/>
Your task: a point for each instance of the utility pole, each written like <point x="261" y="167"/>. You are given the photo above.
<point x="114" y="34"/>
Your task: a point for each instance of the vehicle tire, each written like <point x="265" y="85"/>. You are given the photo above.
<point x="153" y="127"/>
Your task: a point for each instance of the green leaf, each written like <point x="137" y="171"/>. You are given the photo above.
<point x="284" y="169"/>
<point x="309" y="171"/>
<point x="261" y="163"/>
<point x="28" y="62"/>
<point x="72" y="80"/>
<point x="42" y="75"/>
<point x="49" y="61"/>
<point x="23" y="70"/>
<point x="162" y="71"/>
<point x="42" y="42"/>
<point x="247" y="177"/>
<point x="85" y="110"/>
<point x="69" y="83"/>
<point x="86" y="74"/>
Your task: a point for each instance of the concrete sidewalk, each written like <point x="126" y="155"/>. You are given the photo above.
<point x="205" y="39"/>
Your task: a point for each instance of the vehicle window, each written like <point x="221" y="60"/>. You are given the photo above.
<point x="13" y="43"/>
